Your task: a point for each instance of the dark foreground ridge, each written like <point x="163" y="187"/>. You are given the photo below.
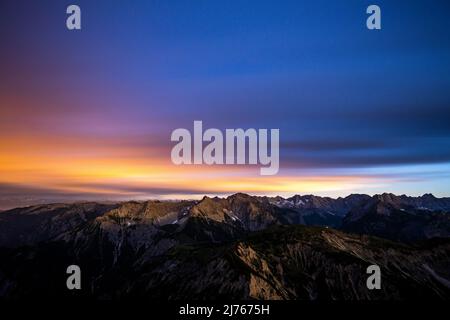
<point x="240" y="247"/>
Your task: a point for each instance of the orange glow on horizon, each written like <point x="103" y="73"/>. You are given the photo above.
<point x="74" y="164"/>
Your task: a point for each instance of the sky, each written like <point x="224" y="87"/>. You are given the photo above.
<point x="88" y="114"/>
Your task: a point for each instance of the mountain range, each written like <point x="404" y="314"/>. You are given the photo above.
<point x="238" y="247"/>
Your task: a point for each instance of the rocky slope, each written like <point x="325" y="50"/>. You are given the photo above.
<point x="236" y="247"/>
<point x="400" y="218"/>
<point x="281" y="262"/>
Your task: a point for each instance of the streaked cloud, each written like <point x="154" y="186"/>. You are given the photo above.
<point x="89" y="115"/>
